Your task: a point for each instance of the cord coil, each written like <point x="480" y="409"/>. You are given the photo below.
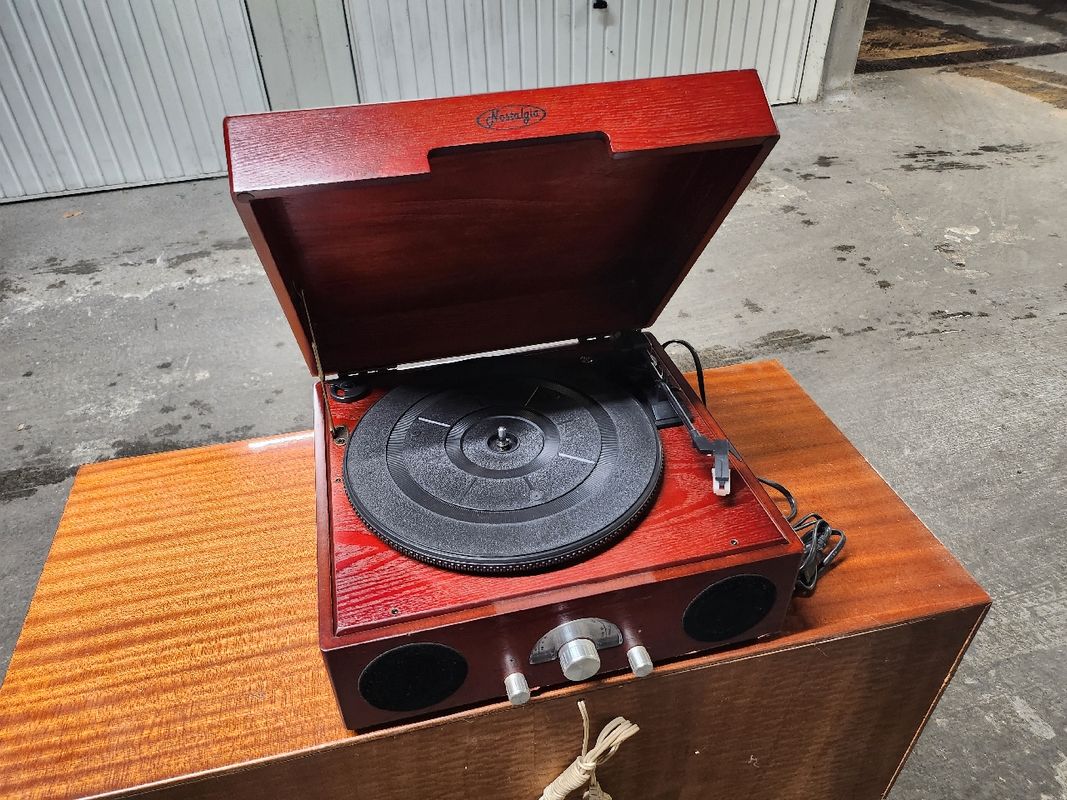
<point x="583" y="769"/>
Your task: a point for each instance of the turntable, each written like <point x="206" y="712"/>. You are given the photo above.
<point x="516" y="488"/>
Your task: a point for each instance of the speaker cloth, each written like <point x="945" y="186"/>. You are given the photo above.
<point x="729" y="608"/>
<point x="412" y="676"/>
<point x="503" y="468"/>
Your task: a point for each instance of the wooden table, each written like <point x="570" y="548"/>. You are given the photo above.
<point x="170" y="648"/>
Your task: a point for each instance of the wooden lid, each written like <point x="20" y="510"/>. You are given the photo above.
<point x="436" y="228"/>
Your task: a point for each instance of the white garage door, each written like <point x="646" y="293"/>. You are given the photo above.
<point x="97" y="94"/>
<point x="104" y="93"/>
<point x="434" y="48"/>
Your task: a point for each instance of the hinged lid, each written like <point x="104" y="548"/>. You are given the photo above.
<point x="435" y="228"/>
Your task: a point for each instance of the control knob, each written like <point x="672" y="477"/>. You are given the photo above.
<point x="579" y="659"/>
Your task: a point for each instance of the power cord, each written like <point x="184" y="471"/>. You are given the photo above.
<point x="696" y="364"/>
<point x="822" y="542"/>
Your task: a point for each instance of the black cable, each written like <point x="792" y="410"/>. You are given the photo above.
<point x="816" y="534"/>
<point x="788" y="495"/>
<point x="696" y="365"/>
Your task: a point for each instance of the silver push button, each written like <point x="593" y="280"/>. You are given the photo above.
<point x="579" y="659"/>
<point x="517" y="688"/>
<point x="640" y="661"/>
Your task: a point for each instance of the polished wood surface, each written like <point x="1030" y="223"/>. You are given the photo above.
<point x="412" y="231"/>
<point x="375" y="586"/>
<point x="171" y="646"/>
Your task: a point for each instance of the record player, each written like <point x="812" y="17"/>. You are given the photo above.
<point x="516" y="488"/>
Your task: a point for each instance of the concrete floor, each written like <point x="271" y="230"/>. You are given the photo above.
<point x="902" y="252"/>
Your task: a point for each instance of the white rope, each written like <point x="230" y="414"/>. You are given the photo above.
<point x="583" y="768"/>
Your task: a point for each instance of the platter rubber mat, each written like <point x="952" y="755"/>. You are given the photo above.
<point x="504" y="468"/>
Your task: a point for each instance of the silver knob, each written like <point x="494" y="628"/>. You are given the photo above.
<point x="579" y="659"/>
<point x="517" y="688"/>
<point x="640" y="661"/>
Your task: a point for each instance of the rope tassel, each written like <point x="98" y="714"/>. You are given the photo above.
<point x="583" y="769"/>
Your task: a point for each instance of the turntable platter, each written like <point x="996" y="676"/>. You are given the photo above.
<point x="504" y="469"/>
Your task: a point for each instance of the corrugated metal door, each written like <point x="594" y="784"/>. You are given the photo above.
<point x="304" y="51"/>
<point x="433" y="48"/>
<point x="100" y="93"/>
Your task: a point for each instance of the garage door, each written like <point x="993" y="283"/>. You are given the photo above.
<point x="433" y="48"/>
<point x="97" y="94"/>
<point x="106" y="93"/>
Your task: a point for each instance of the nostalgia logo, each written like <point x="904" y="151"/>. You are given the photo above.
<point x="507" y="118"/>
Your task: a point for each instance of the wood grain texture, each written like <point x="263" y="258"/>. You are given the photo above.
<point x="372" y="598"/>
<point x="375" y="586"/>
<point x="389" y="221"/>
<point x="172" y="643"/>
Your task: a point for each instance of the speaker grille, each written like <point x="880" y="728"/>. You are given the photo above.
<point x="412" y="676"/>
<point x="729" y="608"/>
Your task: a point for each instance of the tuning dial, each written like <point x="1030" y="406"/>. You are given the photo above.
<point x="579" y="659"/>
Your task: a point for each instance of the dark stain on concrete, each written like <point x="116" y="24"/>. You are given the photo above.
<point x="808" y="222"/>
<point x="177" y="261"/>
<point x="845" y="248"/>
<point x="164" y="365"/>
<point x="25" y="480"/>
<point x="825" y="161"/>
<point x="167" y="429"/>
<point x="56" y="285"/>
<point x="788" y="209"/>
<point x="941" y="166"/>
<point x="811" y="176"/>
<point x="232" y="244"/>
<point x="202" y="407"/>
<point x="753" y="306"/>
<point x="1027" y="315"/>
<point x="842" y="258"/>
<point x="951" y="314"/>
<point x="167" y="409"/>
<point x="127" y="448"/>
<point x="780" y="341"/>
<point x="931" y="332"/>
<point x="147" y="445"/>
<point x="28" y="373"/>
<point x="51" y="261"/>
<point x="790" y="339"/>
<point x="82" y="267"/>
<point x="883" y="284"/>
<point x="842" y="332"/>
<point x="8" y="287"/>
<point x="1004" y="148"/>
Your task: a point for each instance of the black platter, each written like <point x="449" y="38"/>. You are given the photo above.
<point x="516" y="467"/>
